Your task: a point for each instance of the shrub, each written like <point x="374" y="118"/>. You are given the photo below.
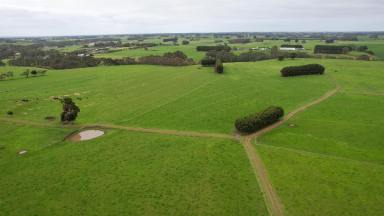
<point x="302" y="70"/>
<point x="175" y="39"/>
<point x="9" y="113"/>
<point x="280" y="58"/>
<point x="219" y="68"/>
<point x="185" y="42"/>
<point x="70" y="110"/>
<point x="208" y="62"/>
<point x="239" y="40"/>
<point x="2" y="63"/>
<point x="257" y="121"/>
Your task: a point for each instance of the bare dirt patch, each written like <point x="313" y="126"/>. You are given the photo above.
<point x="86" y="135"/>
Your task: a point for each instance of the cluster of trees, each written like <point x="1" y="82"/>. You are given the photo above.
<point x="139" y="45"/>
<point x="6" y="75"/>
<point x="213" y="48"/>
<point x="249" y="56"/>
<point x="70" y="110"/>
<point x="185" y="42"/>
<point x="330" y="49"/>
<point x="33" y="73"/>
<point x="239" y="40"/>
<point x="257" y="121"/>
<point x="302" y="70"/>
<point x="123" y="61"/>
<point x="174" y="40"/>
<point x="107" y="44"/>
<point x="177" y="58"/>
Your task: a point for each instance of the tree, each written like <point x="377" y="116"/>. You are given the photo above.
<point x="274" y="51"/>
<point x="219" y="68"/>
<point x="34" y="72"/>
<point x="70" y="110"/>
<point x="280" y="58"/>
<point x="185" y="42"/>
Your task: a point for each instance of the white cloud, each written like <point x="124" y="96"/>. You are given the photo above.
<point x="69" y="17"/>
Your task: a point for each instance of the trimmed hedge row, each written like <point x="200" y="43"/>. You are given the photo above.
<point x="302" y="70"/>
<point x="208" y="62"/>
<point x="213" y="48"/>
<point x="330" y="49"/>
<point x="257" y="121"/>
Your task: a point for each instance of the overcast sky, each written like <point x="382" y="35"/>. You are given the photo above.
<point x="81" y="17"/>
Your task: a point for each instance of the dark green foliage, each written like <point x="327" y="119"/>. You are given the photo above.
<point x="219" y="67"/>
<point x="329" y="49"/>
<point x="240" y="40"/>
<point x="54" y="59"/>
<point x="362" y="48"/>
<point x="223" y="55"/>
<point x="2" y="63"/>
<point x="329" y="41"/>
<point x="177" y="58"/>
<point x="213" y="48"/>
<point x="208" y="62"/>
<point x="281" y="58"/>
<point x="297" y="46"/>
<point x="257" y="121"/>
<point x="253" y="56"/>
<point x="302" y="70"/>
<point x="185" y="42"/>
<point x="70" y="110"/>
<point x="9" y="113"/>
<point x="123" y="61"/>
<point x="175" y="39"/>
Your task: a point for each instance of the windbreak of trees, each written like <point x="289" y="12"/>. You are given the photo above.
<point x="309" y="69"/>
<point x="123" y="61"/>
<point x="239" y="40"/>
<point x="330" y="49"/>
<point x="175" y="39"/>
<point x="54" y="59"/>
<point x="213" y="48"/>
<point x="258" y="121"/>
<point x="177" y="58"/>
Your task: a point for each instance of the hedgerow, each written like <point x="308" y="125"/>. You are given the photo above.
<point x="257" y="121"/>
<point x="302" y="70"/>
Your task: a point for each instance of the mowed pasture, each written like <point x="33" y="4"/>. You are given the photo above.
<point x="331" y="159"/>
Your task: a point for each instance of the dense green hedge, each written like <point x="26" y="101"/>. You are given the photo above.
<point x="330" y="49"/>
<point x="213" y="48"/>
<point x="257" y="121"/>
<point x="302" y="70"/>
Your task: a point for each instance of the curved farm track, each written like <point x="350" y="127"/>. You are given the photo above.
<point x="273" y="202"/>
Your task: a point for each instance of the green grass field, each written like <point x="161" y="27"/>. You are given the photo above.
<point x="329" y="163"/>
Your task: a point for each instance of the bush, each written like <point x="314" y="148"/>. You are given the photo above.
<point x="219" y="68"/>
<point x="302" y="70"/>
<point x="281" y="58"/>
<point x="185" y="42"/>
<point x="364" y="58"/>
<point x="239" y="40"/>
<point x="175" y="39"/>
<point x="2" y="63"/>
<point x="9" y="113"/>
<point x="70" y="110"/>
<point x="208" y="62"/>
<point x="257" y="121"/>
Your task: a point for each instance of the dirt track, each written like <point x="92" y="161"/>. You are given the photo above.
<point x="121" y="127"/>
<point x="273" y="202"/>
